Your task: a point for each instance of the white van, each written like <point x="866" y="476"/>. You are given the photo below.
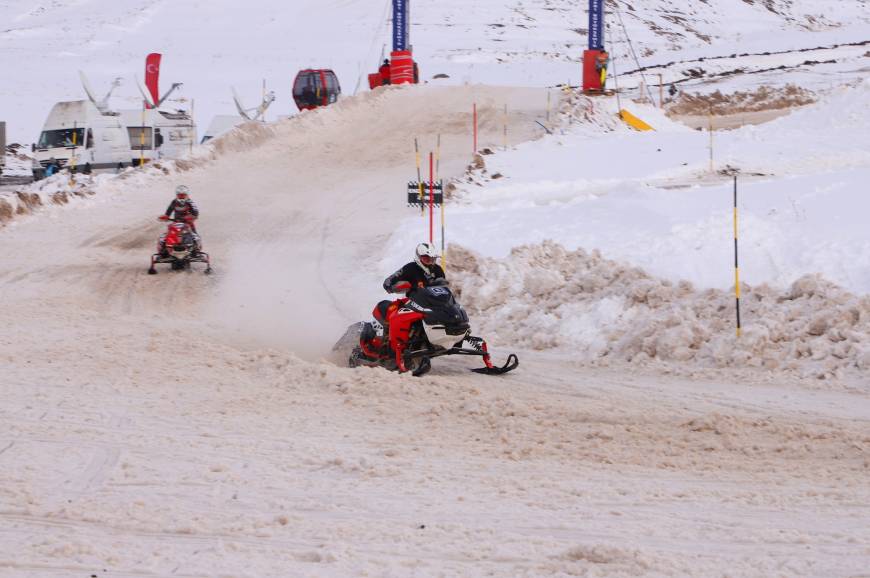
<point x="76" y="134"/>
<point x="221" y="124"/>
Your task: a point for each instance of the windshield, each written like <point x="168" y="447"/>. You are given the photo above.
<point x="67" y="137"/>
<point x="307" y="84"/>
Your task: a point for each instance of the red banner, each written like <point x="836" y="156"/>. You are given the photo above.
<point x="152" y="75"/>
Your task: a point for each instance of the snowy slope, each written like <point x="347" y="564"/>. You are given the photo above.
<point x="213" y="45"/>
<point x="649" y="198"/>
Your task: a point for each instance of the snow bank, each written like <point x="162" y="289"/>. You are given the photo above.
<point x="55" y="190"/>
<point x="546" y="297"/>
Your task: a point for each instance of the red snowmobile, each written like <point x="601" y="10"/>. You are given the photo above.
<point x="427" y="323"/>
<point x="179" y="246"/>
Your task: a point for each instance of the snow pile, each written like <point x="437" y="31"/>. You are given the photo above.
<point x="55" y="190"/>
<point x="546" y="297"/>
<point x="763" y="98"/>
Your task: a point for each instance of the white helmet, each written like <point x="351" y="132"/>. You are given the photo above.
<point x="182" y="191"/>
<point x="425" y="255"/>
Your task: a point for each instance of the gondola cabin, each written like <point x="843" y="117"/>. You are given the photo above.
<point x="315" y="88"/>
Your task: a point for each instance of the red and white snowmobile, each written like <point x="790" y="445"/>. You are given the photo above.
<point x="179" y="246"/>
<point x="427" y="323"/>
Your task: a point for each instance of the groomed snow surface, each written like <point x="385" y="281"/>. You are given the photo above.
<point x="182" y="425"/>
<point x="191" y="426"/>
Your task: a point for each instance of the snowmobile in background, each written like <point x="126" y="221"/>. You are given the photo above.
<point x="179" y="246"/>
<point x="427" y="323"/>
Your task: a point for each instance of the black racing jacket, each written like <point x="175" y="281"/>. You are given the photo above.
<point x="190" y="209"/>
<point x="413" y="274"/>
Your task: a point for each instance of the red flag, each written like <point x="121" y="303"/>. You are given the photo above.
<point x="152" y="75"/>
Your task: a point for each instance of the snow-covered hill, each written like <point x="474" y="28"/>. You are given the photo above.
<point x="211" y="46"/>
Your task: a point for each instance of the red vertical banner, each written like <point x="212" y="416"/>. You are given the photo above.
<point x="152" y="76"/>
<point x="431" y="199"/>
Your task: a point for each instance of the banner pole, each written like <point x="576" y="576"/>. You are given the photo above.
<point x="736" y="263"/>
<point x="142" y="140"/>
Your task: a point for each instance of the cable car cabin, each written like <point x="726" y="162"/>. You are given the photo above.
<point x="315" y="88"/>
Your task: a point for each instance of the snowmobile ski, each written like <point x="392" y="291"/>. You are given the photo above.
<point x="511" y="364"/>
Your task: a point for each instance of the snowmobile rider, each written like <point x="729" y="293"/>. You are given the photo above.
<point x="421" y="272"/>
<point x="182" y="208"/>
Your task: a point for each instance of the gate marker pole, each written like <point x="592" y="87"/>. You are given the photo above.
<point x="443" y="200"/>
<point x="505" y="126"/>
<point x="475" y="130"/>
<point x="548" y="105"/>
<point x="72" y="171"/>
<point x="736" y="264"/>
<point x="419" y="178"/>
<point x="431" y="199"/>
<point x="711" y="140"/>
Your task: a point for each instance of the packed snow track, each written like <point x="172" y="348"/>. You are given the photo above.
<point x="185" y="425"/>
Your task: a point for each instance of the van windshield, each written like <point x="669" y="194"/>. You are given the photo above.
<point x="67" y="137"/>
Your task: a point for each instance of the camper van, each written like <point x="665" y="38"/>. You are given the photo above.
<point x="219" y="125"/>
<point x="78" y="134"/>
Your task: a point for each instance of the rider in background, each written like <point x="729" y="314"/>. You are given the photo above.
<point x="182" y="208"/>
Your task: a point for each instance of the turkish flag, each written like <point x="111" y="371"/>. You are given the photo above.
<point x="152" y="75"/>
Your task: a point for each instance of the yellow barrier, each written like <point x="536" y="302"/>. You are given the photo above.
<point x="633" y="121"/>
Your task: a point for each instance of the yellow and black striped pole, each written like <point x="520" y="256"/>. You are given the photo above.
<point x="443" y="200"/>
<point x="736" y="263"/>
<point x="72" y="170"/>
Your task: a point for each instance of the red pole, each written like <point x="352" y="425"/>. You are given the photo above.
<point x="475" y="129"/>
<point x="431" y="198"/>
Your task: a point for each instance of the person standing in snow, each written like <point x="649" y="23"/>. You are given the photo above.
<point x="602" y="60"/>
<point x="384" y="71"/>
<point x="52" y="167"/>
